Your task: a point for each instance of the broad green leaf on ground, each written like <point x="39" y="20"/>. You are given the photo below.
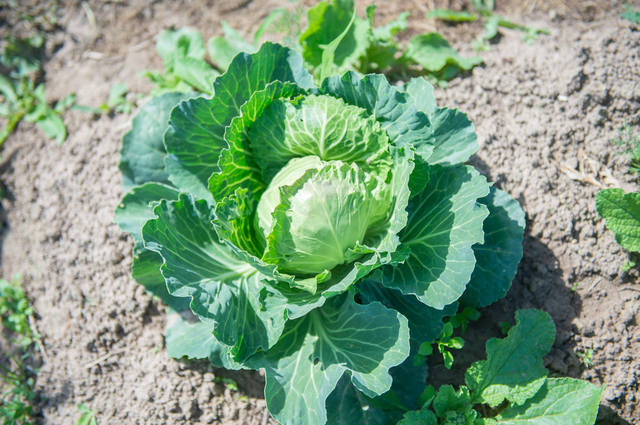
<point x="455" y="139"/>
<point x="433" y="53"/>
<point x="145" y="269"/>
<point x="350" y="406"/>
<point x="224" y="289"/>
<point x="325" y="23"/>
<point x="197" y="72"/>
<point x="391" y="28"/>
<point x="622" y="214"/>
<point x="195" y="136"/>
<point x="498" y="257"/>
<point x="53" y="126"/>
<point x="304" y="367"/>
<point x="383" y="45"/>
<point x="173" y="44"/>
<point x="445" y="220"/>
<point x="425" y="322"/>
<point x="449" y="399"/>
<point x="631" y="15"/>
<point x="327" y="67"/>
<point x="560" y="401"/>
<point x="514" y="369"/>
<point x="395" y="111"/>
<point x="451" y="15"/>
<point x="143" y="152"/>
<point x="137" y="206"/>
<point x="419" y="417"/>
<point x="237" y="164"/>
<point x="186" y="336"/>
<point x="409" y="382"/>
<point x="222" y="50"/>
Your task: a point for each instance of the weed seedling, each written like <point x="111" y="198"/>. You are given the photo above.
<point x="629" y="142"/>
<point x="16" y="404"/>
<point x="88" y="417"/>
<point x="586" y="357"/>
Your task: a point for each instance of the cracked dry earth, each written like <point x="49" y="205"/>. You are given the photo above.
<point x="540" y="112"/>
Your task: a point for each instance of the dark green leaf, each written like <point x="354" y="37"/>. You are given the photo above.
<point x="395" y="111"/>
<point x="444" y="222"/>
<point x="433" y="53"/>
<point x="196" y="72"/>
<point x="316" y="350"/>
<point x="622" y="214"/>
<point x="195" y="136"/>
<point x="142" y="154"/>
<point x="559" y="401"/>
<point x="223" y="288"/>
<point x="498" y="257"/>
<point x="514" y="369"/>
<point x="326" y="22"/>
<point x="222" y="50"/>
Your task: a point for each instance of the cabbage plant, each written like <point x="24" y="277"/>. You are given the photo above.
<point x="320" y="233"/>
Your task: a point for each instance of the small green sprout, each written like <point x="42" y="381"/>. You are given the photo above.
<point x="629" y="142"/>
<point x="445" y="343"/>
<point x="88" y="417"/>
<point x="586" y="357"/>
<point x="631" y="15"/>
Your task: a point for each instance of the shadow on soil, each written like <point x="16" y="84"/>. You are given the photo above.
<point x="539" y="284"/>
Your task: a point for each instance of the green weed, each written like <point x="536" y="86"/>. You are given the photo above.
<point x="16" y="404"/>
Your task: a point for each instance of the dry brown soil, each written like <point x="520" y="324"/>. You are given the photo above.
<point x="538" y="109"/>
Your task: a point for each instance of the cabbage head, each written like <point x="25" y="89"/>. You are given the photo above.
<point x="318" y="233"/>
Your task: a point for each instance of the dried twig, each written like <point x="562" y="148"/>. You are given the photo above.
<point x="103" y="358"/>
<point x="34" y="329"/>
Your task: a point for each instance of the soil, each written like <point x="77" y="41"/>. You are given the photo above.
<point x="540" y="110"/>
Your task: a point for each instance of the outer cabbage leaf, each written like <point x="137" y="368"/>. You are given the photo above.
<point x="321" y="126"/>
<point x="223" y="288"/>
<point x="195" y="137"/>
<point x="238" y="168"/>
<point x="622" y="214"/>
<point x="425" y="322"/>
<point x="409" y="382"/>
<point x="498" y="257"/>
<point x="395" y="111"/>
<point x="133" y="212"/>
<point x="348" y="406"/>
<point x="455" y="139"/>
<point x="419" y="417"/>
<point x="422" y="92"/>
<point x="145" y="269"/>
<point x="560" y="401"/>
<point x="304" y="367"/>
<point x="142" y="154"/>
<point x="444" y="222"/>
<point x="514" y="369"/>
<point x="137" y="206"/>
<point x="186" y="336"/>
<point x="325" y="23"/>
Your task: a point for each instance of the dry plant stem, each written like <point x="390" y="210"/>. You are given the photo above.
<point x="103" y="358"/>
<point x="34" y="329"/>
